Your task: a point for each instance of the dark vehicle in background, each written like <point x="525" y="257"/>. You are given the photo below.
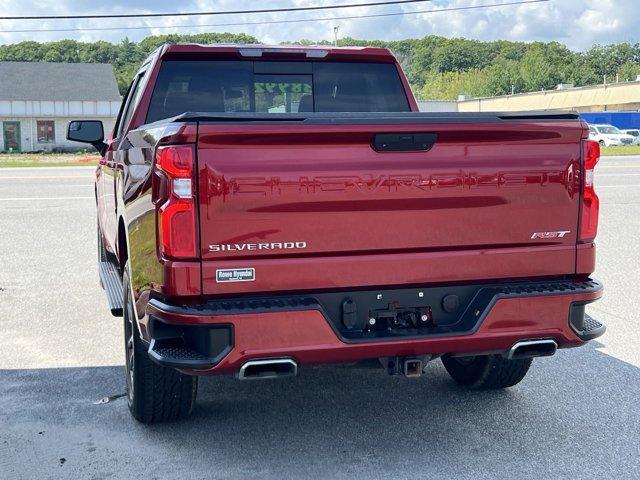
<point x="261" y="209"/>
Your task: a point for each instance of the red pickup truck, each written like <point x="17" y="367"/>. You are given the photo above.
<point x="261" y="209"/>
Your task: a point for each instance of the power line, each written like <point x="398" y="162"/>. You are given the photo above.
<point x="199" y="14"/>
<point x="271" y="22"/>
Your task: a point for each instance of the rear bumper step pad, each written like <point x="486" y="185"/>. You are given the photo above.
<point x="589" y="328"/>
<point x="189" y="346"/>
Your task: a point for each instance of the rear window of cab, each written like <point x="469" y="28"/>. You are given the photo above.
<point x="222" y="86"/>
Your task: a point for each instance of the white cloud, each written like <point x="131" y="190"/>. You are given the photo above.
<point x="578" y="23"/>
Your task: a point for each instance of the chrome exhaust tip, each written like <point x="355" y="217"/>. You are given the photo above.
<point x="268" y="368"/>
<point x="531" y="348"/>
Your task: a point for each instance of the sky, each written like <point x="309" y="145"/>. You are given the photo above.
<point x="577" y="23"/>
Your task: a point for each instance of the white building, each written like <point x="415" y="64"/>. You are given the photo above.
<point x="37" y="101"/>
<point x="438" y="105"/>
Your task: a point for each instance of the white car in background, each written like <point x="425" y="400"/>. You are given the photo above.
<point x="608" y="135"/>
<point x="635" y="133"/>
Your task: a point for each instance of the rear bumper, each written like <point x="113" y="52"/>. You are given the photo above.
<point x="228" y="333"/>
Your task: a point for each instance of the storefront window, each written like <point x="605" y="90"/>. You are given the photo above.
<point x="46" y="131"/>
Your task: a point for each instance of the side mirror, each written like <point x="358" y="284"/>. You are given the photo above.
<point x="87" y="131"/>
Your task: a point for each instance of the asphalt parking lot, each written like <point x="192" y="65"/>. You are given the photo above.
<point x="576" y="415"/>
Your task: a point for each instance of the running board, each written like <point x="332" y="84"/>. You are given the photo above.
<point x="110" y="280"/>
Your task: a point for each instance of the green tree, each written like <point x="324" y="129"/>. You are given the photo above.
<point x="421" y="59"/>
<point x="450" y="85"/>
<point x="536" y="72"/>
<point x="629" y="71"/>
<point x="504" y="77"/>
<point x="460" y="54"/>
<point x="23" y="52"/>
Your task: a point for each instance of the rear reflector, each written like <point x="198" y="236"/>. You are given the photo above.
<point x="590" y="201"/>
<point x="177" y="230"/>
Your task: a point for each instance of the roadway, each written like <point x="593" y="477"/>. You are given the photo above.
<point x="576" y="414"/>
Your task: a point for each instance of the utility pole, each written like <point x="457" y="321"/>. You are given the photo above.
<point x="335" y="35"/>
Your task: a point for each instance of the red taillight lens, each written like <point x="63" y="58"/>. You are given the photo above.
<point x="590" y="201"/>
<point x="175" y="160"/>
<point x="176" y="225"/>
<point x="177" y="215"/>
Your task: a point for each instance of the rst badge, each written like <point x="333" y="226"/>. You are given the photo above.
<point x="235" y="275"/>
<point x="548" y="235"/>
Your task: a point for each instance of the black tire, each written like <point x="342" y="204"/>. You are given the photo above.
<point x="486" y="371"/>
<point x="154" y="393"/>
<point x="602" y="143"/>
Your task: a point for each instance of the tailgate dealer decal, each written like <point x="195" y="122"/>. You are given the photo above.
<point x="235" y="275"/>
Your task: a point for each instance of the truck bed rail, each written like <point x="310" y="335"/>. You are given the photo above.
<point x="373" y="118"/>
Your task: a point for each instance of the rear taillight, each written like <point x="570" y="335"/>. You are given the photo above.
<point x="590" y="202"/>
<point x="175" y="201"/>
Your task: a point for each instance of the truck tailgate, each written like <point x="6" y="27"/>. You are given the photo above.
<point x="311" y="206"/>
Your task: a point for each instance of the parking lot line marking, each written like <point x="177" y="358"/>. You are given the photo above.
<point x="604" y="167"/>
<point x="616" y="186"/>
<point x="73" y="185"/>
<point x="43" y="198"/>
<point x="47" y="177"/>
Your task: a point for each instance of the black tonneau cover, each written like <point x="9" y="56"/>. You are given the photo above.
<point x="366" y="118"/>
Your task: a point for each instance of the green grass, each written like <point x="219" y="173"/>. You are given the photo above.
<point x="621" y="150"/>
<point x="9" y="160"/>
